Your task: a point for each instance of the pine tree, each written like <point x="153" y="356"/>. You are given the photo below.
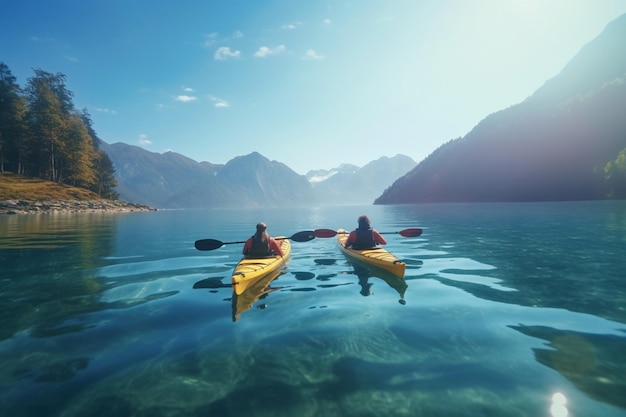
<point x="48" y="109"/>
<point x="104" y="170"/>
<point x="12" y="128"/>
<point x="76" y="155"/>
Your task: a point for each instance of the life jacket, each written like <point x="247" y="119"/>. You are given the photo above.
<point x="259" y="248"/>
<point x="364" y="239"/>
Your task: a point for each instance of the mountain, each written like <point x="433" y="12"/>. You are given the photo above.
<point x="257" y="181"/>
<point x="171" y="180"/>
<point x="154" y="179"/>
<point x="320" y="175"/>
<point x="349" y="184"/>
<point x="552" y="146"/>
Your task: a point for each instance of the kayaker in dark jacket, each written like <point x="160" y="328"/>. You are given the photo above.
<point x="261" y="244"/>
<point x="364" y="237"/>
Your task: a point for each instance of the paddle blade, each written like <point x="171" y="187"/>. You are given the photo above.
<point x="303" y="236"/>
<point x="208" y="244"/>
<point x="325" y="233"/>
<point x="414" y="232"/>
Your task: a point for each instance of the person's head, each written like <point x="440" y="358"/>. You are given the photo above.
<point x="364" y="222"/>
<point x="261" y="229"/>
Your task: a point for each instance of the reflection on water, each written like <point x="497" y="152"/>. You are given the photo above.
<point x="260" y="289"/>
<point x="364" y="273"/>
<point x="55" y="230"/>
<point x="49" y="263"/>
<point x="505" y="310"/>
<point x="559" y="405"/>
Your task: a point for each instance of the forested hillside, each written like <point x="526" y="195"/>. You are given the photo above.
<point x="42" y="135"/>
<point x="565" y="142"/>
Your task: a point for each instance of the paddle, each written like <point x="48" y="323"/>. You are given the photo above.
<point x="210" y="244"/>
<point x="411" y="232"/>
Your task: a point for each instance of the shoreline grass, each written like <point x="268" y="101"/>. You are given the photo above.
<point x="18" y="187"/>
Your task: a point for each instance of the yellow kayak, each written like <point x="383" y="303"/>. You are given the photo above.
<point x="259" y="287"/>
<point x="377" y="257"/>
<point x="248" y="270"/>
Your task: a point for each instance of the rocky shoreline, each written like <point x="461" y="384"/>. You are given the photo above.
<point x="69" y="206"/>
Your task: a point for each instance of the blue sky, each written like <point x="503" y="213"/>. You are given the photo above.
<point x="311" y="84"/>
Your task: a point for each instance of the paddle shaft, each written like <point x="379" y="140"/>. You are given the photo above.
<point x="211" y="244"/>
<point x="411" y="232"/>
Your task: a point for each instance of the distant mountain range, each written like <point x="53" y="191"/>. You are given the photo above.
<point x="173" y="181"/>
<point x="551" y="147"/>
<point x="350" y="184"/>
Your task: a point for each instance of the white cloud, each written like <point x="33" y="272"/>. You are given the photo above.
<point x="214" y="38"/>
<point x="211" y="39"/>
<point x="327" y="21"/>
<point x="312" y="54"/>
<point x="223" y="53"/>
<point x="188" y="89"/>
<point x="105" y="110"/>
<point x="264" y="51"/>
<point x="185" y="98"/>
<point x="218" y="102"/>
<point x="40" y="39"/>
<point x="143" y="139"/>
<point x="291" y="26"/>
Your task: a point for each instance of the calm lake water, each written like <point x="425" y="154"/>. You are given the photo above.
<point x="506" y="310"/>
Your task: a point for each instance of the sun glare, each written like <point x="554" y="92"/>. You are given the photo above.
<point x="558" y="407"/>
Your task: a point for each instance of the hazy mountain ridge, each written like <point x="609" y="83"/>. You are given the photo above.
<point x="552" y="146"/>
<point x="349" y="184"/>
<point x="319" y="175"/>
<point x="258" y="181"/>
<point x="152" y="178"/>
<point x="171" y="180"/>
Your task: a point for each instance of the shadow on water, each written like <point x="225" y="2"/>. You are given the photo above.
<point x="595" y="363"/>
<point x="211" y="283"/>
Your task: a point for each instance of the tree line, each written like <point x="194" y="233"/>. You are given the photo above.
<point x="43" y="135"/>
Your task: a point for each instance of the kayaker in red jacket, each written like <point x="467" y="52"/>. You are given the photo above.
<point x="261" y="244"/>
<point x="364" y="237"/>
